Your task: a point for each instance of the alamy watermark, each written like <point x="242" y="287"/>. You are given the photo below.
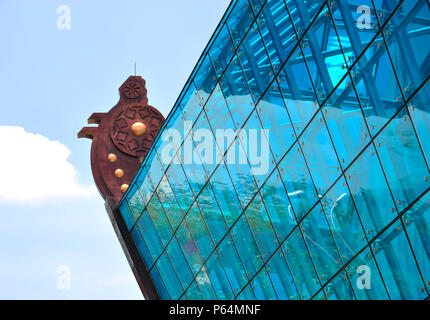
<point x="64" y="277"/>
<point x="364" y="278"/>
<point x="204" y="148"/>
<point x="64" y="20"/>
<point x="364" y="21"/>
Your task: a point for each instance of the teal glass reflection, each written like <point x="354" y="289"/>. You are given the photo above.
<point x="344" y="220"/>
<point x="320" y="243"/>
<point x="346" y="123"/>
<point x="320" y="155"/>
<point x="400" y="272"/>
<point x="365" y="278"/>
<point x="402" y="160"/>
<point x="297" y="181"/>
<point x="219" y="279"/>
<point x="342" y="210"/>
<point x="370" y="192"/>
<point x="340" y="288"/>
<point x="278" y="206"/>
<point x="282" y="278"/>
<point x="417" y="223"/>
<point x="261" y="227"/>
<point x="274" y="117"/>
<point x="326" y="70"/>
<point x="247" y="247"/>
<point x="419" y="110"/>
<point x="301" y="266"/>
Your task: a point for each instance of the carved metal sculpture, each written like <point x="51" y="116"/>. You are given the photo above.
<point x="122" y="139"/>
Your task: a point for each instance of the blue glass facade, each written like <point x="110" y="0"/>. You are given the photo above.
<point x="343" y="211"/>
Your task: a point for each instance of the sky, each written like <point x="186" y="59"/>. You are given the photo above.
<point x="56" y="240"/>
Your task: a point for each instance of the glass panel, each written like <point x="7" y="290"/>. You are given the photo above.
<point x="278" y="205"/>
<point x="256" y="5"/>
<point x="326" y="70"/>
<point x="297" y="181"/>
<point x="159" y="219"/>
<point x="370" y="192"/>
<point x="365" y="278"/>
<point x="220" y="118"/>
<point x="301" y="265"/>
<point x="181" y="265"/>
<point x="169" y="203"/>
<point x="377" y="87"/>
<point x="180" y="186"/>
<point x="277" y="32"/>
<point x="236" y="93"/>
<point x="417" y="222"/>
<point x="199" y="232"/>
<point x="189" y="248"/>
<point x="261" y="227"/>
<point x="159" y="285"/>
<point x="346" y="124"/>
<point x="190" y="104"/>
<point x="226" y="195"/>
<point x="320" y="155"/>
<point x="344" y="221"/>
<point x="407" y="37"/>
<point x="132" y="207"/>
<point x="169" y="276"/>
<point x="400" y="273"/>
<point x="339" y="288"/>
<point x="282" y="278"/>
<point x="240" y="172"/>
<point x="141" y="246"/>
<point x="204" y="148"/>
<point x="211" y="214"/>
<point x="205" y="285"/>
<point x="193" y="292"/>
<point x="356" y="25"/>
<point x="247" y="294"/>
<point x="384" y="9"/>
<point x="239" y="20"/>
<point x="205" y="79"/>
<point x="402" y="160"/>
<point x="150" y="236"/>
<point x="303" y="11"/>
<point x="256" y="148"/>
<point x="321" y="244"/>
<point x="246" y="247"/>
<point x="222" y="50"/>
<point x="296" y="87"/>
<point x="274" y="117"/>
<point x="419" y="109"/>
<point x="255" y="63"/>
<point x="232" y="264"/>
<point x="262" y="286"/>
<point x="146" y="189"/>
<point x="193" y="170"/>
<point x="219" y="278"/>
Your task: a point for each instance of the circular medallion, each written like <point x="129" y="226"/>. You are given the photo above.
<point x="134" y="129"/>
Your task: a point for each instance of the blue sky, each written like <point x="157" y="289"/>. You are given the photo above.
<point x="51" y="81"/>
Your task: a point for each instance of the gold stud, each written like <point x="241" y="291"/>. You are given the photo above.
<point x="138" y="128"/>
<point x="119" y="173"/>
<point x="112" y="157"/>
<point x="124" y="188"/>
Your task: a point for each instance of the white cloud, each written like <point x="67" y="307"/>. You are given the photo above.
<point x="34" y="168"/>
